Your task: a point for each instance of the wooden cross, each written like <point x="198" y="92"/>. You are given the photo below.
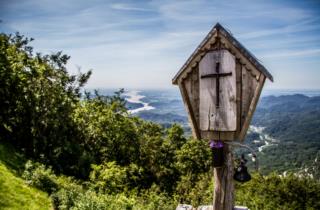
<point x="217" y="75"/>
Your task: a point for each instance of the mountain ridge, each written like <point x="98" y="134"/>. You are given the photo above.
<point x="292" y="120"/>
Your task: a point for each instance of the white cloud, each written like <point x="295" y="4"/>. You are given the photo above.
<point x="129" y="7"/>
<point x="287" y="29"/>
<point x="293" y="53"/>
<point x="136" y="43"/>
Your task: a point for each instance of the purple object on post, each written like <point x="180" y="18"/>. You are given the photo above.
<point x="216" y="144"/>
<point x="217" y="153"/>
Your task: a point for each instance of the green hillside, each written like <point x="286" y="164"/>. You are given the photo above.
<point x="88" y="153"/>
<point x="14" y="192"/>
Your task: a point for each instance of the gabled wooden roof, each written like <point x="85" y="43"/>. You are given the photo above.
<point x="219" y="28"/>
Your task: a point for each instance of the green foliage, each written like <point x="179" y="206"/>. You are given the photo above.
<point x="39" y="176"/>
<point x="175" y="136"/>
<point x="294" y="120"/>
<point x="37" y="94"/>
<point x="108" y="134"/>
<point x="121" y="161"/>
<point x="194" y="157"/>
<point x="276" y="192"/>
<point x="15" y="194"/>
<point x="67" y="197"/>
<point x="91" y="200"/>
<point x="62" y="190"/>
<point x="108" y="177"/>
<point x="103" y="192"/>
<point x="195" y="191"/>
<point x="154" y="198"/>
<point x="12" y="158"/>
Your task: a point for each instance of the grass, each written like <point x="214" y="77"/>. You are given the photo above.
<point x="14" y="192"/>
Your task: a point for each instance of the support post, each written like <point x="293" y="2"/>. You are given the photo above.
<point x="223" y="198"/>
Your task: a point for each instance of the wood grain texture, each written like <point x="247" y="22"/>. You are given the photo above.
<point x="223" y="198"/>
<point x="188" y="106"/>
<point x="247" y="92"/>
<point x="245" y="85"/>
<point x="252" y="107"/>
<point x="224" y="117"/>
<point x="243" y="59"/>
<point x="224" y="135"/>
<point x="192" y="88"/>
<point x="239" y="95"/>
<point x="195" y="93"/>
<point x="194" y="59"/>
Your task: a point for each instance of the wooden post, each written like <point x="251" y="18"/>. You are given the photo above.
<point x="223" y="198"/>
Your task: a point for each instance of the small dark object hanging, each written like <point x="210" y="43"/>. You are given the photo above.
<point x="217" y="153"/>
<point x="241" y="172"/>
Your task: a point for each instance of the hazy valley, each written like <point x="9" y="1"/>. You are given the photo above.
<point x="285" y="130"/>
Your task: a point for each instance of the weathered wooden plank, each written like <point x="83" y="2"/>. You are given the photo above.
<point x="246" y="92"/>
<point x="195" y="57"/>
<point x="252" y="107"/>
<point x="249" y="84"/>
<point x="221" y="117"/>
<point x="187" y="103"/>
<point x="188" y="85"/>
<point x="228" y="93"/>
<point x="195" y="93"/>
<point x="255" y="81"/>
<point x="192" y="87"/>
<point x="239" y="94"/>
<point x="207" y="88"/>
<point x="222" y="135"/>
<point x="244" y="60"/>
<point x="223" y="198"/>
<point x="229" y="183"/>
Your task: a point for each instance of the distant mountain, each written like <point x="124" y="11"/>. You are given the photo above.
<point x="290" y="118"/>
<point x="294" y="121"/>
<point x="166" y="119"/>
<point x="285" y="129"/>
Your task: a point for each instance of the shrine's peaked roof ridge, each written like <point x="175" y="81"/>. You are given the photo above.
<point x="218" y="27"/>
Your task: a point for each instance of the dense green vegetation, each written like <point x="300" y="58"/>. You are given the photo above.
<point x="295" y="121"/>
<point x="292" y="121"/>
<point x="14" y="192"/>
<point x="87" y="152"/>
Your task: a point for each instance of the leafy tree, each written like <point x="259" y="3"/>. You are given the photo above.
<point x="194" y="157"/>
<point x="37" y="99"/>
<point x="276" y="192"/>
<point x="130" y="163"/>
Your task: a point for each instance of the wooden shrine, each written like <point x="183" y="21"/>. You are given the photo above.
<point x="220" y="84"/>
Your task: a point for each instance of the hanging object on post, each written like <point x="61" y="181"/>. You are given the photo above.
<point x="241" y="171"/>
<point x="217" y="153"/>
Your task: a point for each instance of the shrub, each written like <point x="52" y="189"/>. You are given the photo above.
<point x="194" y="157"/>
<point x="68" y="193"/>
<point x="154" y="199"/>
<point x="39" y="176"/>
<point x="92" y="200"/>
<point x="195" y="191"/>
<point x="108" y="177"/>
<point x="276" y="192"/>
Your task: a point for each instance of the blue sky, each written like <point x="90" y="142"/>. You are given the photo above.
<point x="142" y="44"/>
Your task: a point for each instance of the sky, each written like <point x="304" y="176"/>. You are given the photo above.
<point x="143" y="44"/>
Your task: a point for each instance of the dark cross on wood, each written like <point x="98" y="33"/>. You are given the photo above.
<point x="217" y="75"/>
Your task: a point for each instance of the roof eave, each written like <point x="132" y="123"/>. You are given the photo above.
<point x="185" y="65"/>
<point x="235" y="42"/>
